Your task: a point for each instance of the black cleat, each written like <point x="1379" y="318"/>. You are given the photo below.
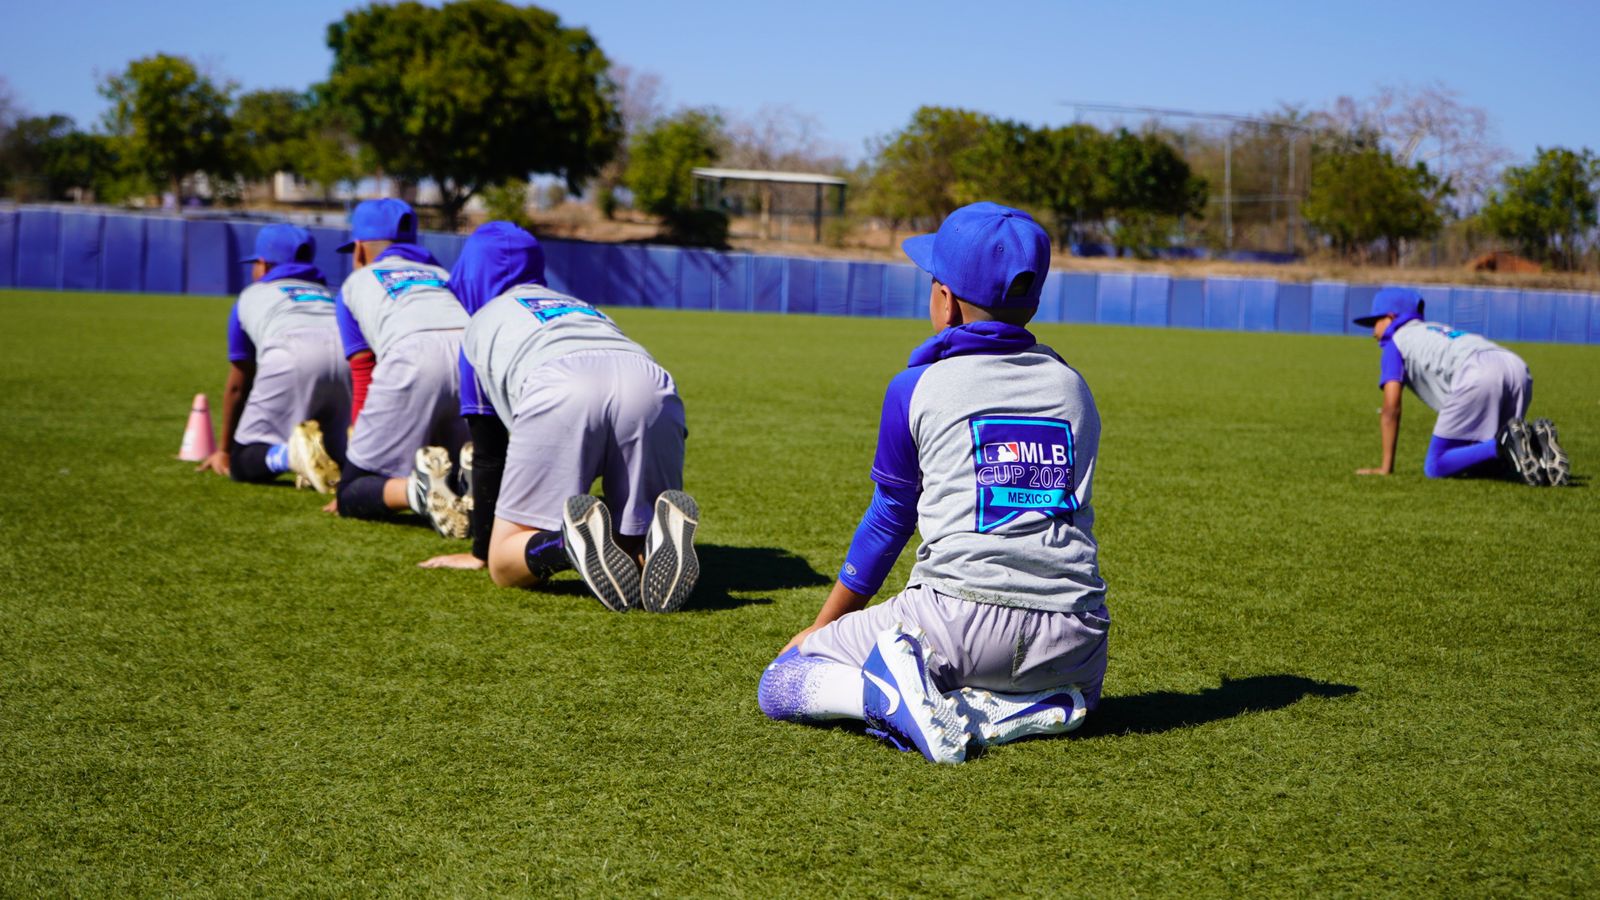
<point x="1553" y="459"/>
<point x="611" y="574"/>
<point x="1514" y="445"/>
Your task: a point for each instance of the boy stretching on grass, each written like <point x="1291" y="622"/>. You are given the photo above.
<point x="1480" y="390"/>
<point x="401" y="329"/>
<point x="557" y="396"/>
<point x="987" y="445"/>
<point x="287" y="385"/>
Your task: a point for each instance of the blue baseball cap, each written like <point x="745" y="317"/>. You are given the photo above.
<point x="278" y="244"/>
<point x="1392" y="301"/>
<point x="980" y="249"/>
<point x="381" y="220"/>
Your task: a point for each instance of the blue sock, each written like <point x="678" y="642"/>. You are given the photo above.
<point x="1448" y="456"/>
<point x="278" y="458"/>
<point x="797" y="688"/>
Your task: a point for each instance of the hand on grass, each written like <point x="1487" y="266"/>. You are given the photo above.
<point x="332" y="507"/>
<point x="217" y="462"/>
<point x="1372" y="471"/>
<point x="453" y="561"/>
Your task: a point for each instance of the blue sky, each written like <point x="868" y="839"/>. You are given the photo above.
<point x="861" y="67"/>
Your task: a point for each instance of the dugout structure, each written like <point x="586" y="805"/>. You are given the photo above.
<point x="741" y="192"/>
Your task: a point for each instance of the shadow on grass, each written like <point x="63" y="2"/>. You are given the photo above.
<point x="1160" y="711"/>
<point x="725" y="569"/>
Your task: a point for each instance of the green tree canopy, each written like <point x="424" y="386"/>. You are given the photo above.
<point x="170" y="121"/>
<point x="473" y="93"/>
<point x="926" y="170"/>
<point x="268" y="126"/>
<point x="1360" y="195"/>
<point x="46" y="158"/>
<point x="663" y="156"/>
<point x="1547" y="208"/>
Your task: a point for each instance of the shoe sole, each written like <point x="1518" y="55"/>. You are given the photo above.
<point x="942" y="727"/>
<point x="1552" y="458"/>
<point x="464" y="467"/>
<point x="439" y="504"/>
<point x="1523" y="461"/>
<point x="672" y="570"/>
<point x="611" y="574"/>
<point x="321" y="472"/>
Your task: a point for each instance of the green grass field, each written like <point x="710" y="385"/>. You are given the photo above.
<point x="1318" y="682"/>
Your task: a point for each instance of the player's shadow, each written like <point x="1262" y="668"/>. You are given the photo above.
<point x="725" y="570"/>
<point x="1159" y="711"/>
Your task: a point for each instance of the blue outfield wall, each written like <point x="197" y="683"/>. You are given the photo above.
<point x="68" y="250"/>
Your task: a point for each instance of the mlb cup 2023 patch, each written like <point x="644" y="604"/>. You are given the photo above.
<point x="306" y="293"/>
<point x="546" y="309"/>
<point x="400" y="280"/>
<point x="1023" y="465"/>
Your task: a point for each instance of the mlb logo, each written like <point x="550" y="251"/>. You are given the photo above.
<point x="1001" y="453"/>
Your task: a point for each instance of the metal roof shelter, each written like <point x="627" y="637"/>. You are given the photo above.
<point x="711" y="190"/>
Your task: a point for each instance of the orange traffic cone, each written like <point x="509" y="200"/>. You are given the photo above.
<point x="198" y="442"/>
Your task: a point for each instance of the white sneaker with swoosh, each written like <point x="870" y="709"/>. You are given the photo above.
<point x="903" y="707"/>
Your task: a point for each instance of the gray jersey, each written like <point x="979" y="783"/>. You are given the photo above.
<point x="394" y="298"/>
<point x="1433" y="353"/>
<point x="1005" y="447"/>
<point x="268" y="310"/>
<point x="526" y="327"/>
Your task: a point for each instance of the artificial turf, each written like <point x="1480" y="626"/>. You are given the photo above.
<point x="1318" y="682"/>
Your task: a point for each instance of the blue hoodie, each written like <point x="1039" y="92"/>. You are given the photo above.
<point x="497" y="257"/>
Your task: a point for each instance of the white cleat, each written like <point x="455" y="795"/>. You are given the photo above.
<point x="999" y="718"/>
<point x="903" y="707"/>
<point x="309" y="459"/>
<point x="428" y="493"/>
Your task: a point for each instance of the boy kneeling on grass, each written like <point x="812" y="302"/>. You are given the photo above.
<point x="987" y="445"/>
<point x="1480" y="389"/>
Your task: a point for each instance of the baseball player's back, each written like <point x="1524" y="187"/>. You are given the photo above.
<point x="395" y="297"/>
<point x="1433" y="353"/>
<point x="527" y="327"/>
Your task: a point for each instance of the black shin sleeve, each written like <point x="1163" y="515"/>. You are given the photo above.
<point x="489" y="440"/>
<point x="361" y="493"/>
<point x="248" y="462"/>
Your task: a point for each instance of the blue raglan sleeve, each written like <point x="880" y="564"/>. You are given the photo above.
<point x="891" y="517"/>
<point x="1391" y="365"/>
<point x="349" y="331"/>
<point x="240" y="347"/>
<point x="473" y="402"/>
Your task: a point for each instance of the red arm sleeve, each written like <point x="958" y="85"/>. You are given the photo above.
<point x="361" y="366"/>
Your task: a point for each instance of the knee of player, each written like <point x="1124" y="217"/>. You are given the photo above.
<point x="1430" y="468"/>
<point x="506" y="567"/>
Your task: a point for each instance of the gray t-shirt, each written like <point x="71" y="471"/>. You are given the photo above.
<point x="526" y="327"/>
<point x="393" y="298"/>
<point x="267" y="310"/>
<point x="1429" y="354"/>
<point x="1003" y="445"/>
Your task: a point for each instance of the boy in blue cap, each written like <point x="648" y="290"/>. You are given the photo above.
<point x="287" y="384"/>
<point x="987" y="445"/>
<point x="401" y="329"/>
<point x="557" y="396"/>
<point x="1480" y="390"/>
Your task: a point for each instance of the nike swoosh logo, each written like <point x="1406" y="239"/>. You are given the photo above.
<point x="888" y="690"/>
<point x="1057" y="701"/>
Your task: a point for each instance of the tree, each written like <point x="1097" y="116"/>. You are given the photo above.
<point x="268" y="129"/>
<point x="473" y="93"/>
<point x="1548" y="208"/>
<point x="660" y="174"/>
<point x="1361" y="194"/>
<point x="917" y="172"/>
<point x="170" y="120"/>
<point x="47" y="158"/>
<point x="1148" y="186"/>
